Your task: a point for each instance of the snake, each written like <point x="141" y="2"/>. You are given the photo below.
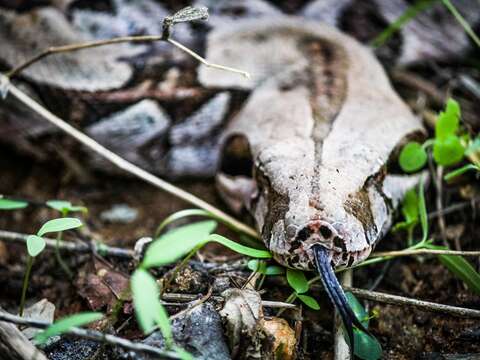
<point x="309" y="154"/>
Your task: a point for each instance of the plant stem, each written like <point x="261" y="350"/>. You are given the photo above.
<point x="62" y="263"/>
<point x="177" y="268"/>
<point x="25" y="283"/>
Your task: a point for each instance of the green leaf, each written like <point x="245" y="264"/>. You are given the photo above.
<point x="297" y="280"/>
<point x="57" y="225"/>
<point x="366" y="346"/>
<point x="241" y="249"/>
<point x="262" y="268"/>
<point x="448" y="121"/>
<point x="413" y="157"/>
<point x="6" y="204"/>
<point x="35" y="245"/>
<point x="448" y="151"/>
<point x="309" y="301"/>
<point x="181" y="215"/>
<point x="65" y="206"/>
<point x="176" y="243"/>
<point x="148" y="309"/>
<point x="179" y="242"/>
<point x="65" y="324"/>
<point x="459" y="267"/>
<point x="460" y="171"/>
<point x="410" y="206"/>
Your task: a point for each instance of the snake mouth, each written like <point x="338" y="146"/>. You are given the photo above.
<point x="323" y="263"/>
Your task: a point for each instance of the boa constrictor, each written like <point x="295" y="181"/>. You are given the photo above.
<point x="309" y="152"/>
<point x="317" y="132"/>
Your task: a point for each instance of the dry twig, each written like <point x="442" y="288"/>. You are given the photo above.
<point x="124" y="164"/>
<point x="95" y="336"/>
<point x="423" y="305"/>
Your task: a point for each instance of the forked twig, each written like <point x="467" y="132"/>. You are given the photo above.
<point x="184" y="15"/>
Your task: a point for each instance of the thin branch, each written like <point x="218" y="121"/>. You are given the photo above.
<point x="76" y="247"/>
<point x="127" y="166"/>
<point x="184" y="15"/>
<point x="192" y="297"/>
<point x="423" y="252"/>
<point x="75" y="47"/>
<point x="93" y="335"/>
<point x="423" y="305"/>
<point x="455" y="207"/>
<point x="205" y="62"/>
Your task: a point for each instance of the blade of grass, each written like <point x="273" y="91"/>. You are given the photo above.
<point x="411" y="12"/>
<point x="466" y="26"/>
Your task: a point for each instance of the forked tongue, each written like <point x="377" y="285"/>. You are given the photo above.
<point x="335" y="293"/>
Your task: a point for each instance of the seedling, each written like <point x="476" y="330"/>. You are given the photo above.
<point x="64" y="207"/>
<point x="449" y="147"/>
<point x="299" y="283"/>
<point x="36" y="244"/>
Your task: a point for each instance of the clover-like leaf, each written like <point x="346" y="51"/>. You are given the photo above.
<point x="35" y="245"/>
<point x="448" y="121"/>
<point x="57" y="225"/>
<point x="448" y="151"/>
<point x="413" y="157"/>
<point x="309" y="301"/>
<point x="297" y="280"/>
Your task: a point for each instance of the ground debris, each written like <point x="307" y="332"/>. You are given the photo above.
<point x="198" y="331"/>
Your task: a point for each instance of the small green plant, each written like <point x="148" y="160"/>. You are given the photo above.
<point x="64" y="325"/>
<point x="36" y="244"/>
<point x="299" y="283"/>
<point x="449" y="146"/>
<point x="65" y="208"/>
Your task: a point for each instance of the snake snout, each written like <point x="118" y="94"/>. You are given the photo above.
<point x="322" y="232"/>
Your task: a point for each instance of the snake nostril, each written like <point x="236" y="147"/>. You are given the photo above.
<point x="303" y="234"/>
<point x="325" y="231"/>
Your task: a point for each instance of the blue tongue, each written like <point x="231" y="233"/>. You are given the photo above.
<point x="335" y="293"/>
